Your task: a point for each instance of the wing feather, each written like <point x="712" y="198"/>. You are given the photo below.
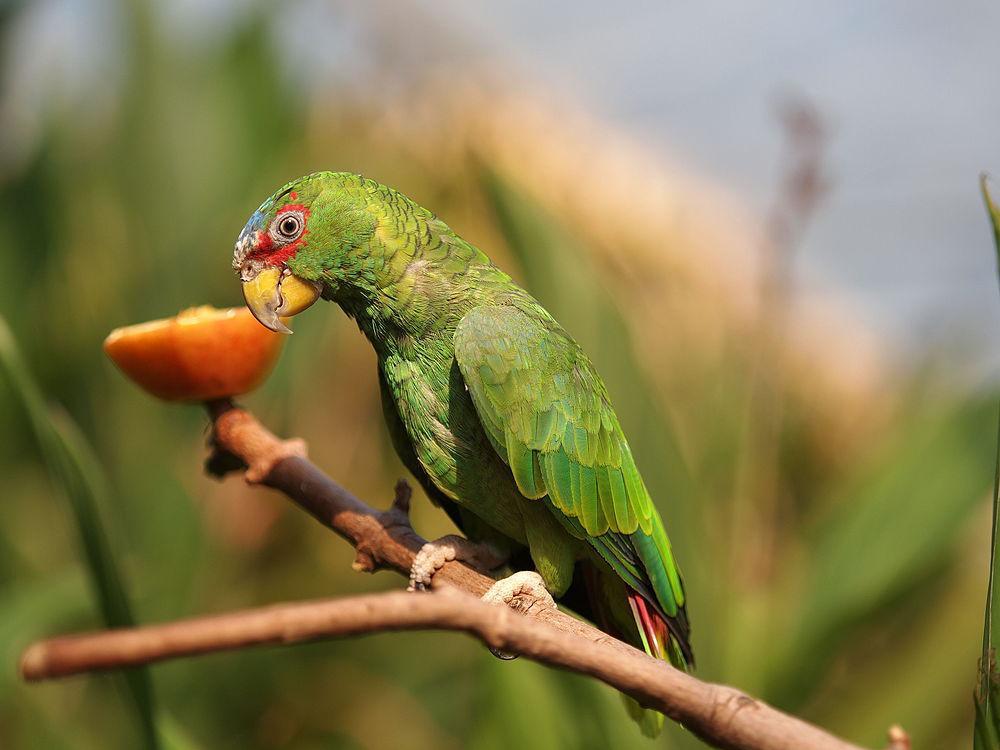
<point x="549" y="417"/>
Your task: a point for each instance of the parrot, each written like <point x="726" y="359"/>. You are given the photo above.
<point x="490" y="404"/>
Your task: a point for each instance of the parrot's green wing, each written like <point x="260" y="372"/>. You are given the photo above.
<point x="548" y="415"/>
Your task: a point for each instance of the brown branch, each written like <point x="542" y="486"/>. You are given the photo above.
<point x="898" y="738"/>
<point x="383" y="539"/>
<point x="721" y="715"/>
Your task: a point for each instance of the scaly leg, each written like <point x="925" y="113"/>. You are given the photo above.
<point x="520" y="591"/>
<point x="433" y="555"/>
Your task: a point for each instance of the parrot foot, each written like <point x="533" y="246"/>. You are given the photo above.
<point x="433" y="556"/>
<point x="522" y="592"/>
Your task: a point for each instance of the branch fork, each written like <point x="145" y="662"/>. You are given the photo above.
<point x="396" y="518"/>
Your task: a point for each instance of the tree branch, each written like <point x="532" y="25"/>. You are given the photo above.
<point x="383" y="539"/>
<point x="720" y="715"/>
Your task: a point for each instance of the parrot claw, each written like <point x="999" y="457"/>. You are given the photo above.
<point x="433" y="556"/>
<point x="521" y="592"/>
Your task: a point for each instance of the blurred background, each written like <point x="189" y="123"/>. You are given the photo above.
<point x="762" y="222"/>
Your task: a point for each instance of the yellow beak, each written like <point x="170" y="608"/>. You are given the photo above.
<point x="274" y="294"/>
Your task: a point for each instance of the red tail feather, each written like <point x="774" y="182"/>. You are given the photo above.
<point x="652" y="626"/>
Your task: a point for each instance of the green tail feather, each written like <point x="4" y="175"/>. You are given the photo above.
<point x="650" y="722"/>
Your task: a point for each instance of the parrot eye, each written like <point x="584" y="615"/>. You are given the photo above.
<point x="288" y="227"/>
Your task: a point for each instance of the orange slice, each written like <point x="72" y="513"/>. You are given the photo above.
<point x="202" y="353"/>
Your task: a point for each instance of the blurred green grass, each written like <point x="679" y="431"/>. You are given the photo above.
<point x="69" y="460"/>
<point x="859" y="608"/>
<point x="987" y="690"/>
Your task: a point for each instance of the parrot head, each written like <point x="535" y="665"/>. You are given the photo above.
<point x="295" y="245"/>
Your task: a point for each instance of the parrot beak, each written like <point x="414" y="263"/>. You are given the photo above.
<point x="275" y="293"/>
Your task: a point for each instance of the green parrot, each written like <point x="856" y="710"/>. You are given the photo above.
<point x="489" y="402"/>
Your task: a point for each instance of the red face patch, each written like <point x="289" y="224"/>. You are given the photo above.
<point x="274" y="251"/>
